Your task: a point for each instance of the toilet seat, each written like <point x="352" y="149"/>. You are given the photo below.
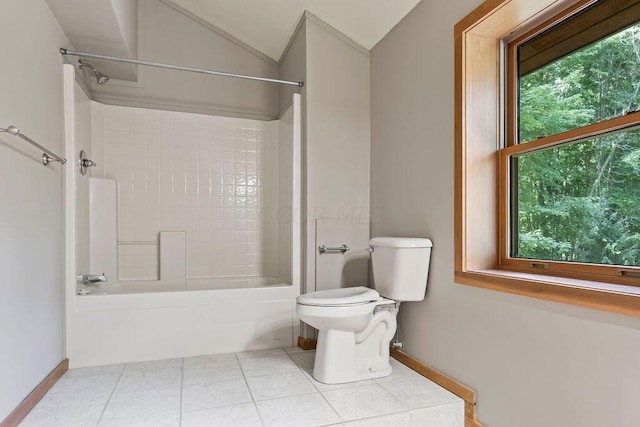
<point x="357" y="295"/>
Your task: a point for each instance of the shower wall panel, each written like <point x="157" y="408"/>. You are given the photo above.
<point x="285" y="190"/>
<point x="214" y="177"/>
<point x="82" y="106"/>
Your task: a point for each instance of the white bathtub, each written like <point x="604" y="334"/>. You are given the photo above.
<point x="136" y="321"/>
<point x="209" y="284"/>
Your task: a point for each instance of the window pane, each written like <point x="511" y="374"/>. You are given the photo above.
<point x="595" y="83"/>
<point x="579" y="202"/>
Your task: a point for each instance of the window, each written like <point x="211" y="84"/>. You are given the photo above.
<point x="548" y="151"/>
<point x="572" y="154"/>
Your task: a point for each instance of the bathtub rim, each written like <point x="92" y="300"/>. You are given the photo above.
<point x="192" y="298"/>
<point x="132" y="287"/>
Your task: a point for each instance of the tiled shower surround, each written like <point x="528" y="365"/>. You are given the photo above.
<point x="217" y="178"/>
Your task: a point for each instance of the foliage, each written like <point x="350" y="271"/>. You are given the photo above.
<point x="581" y="201"/>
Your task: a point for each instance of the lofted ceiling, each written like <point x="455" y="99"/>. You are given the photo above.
<point x="104" y="26"/>
<point x="267" y="25"/>
<point x="110" y="27"/>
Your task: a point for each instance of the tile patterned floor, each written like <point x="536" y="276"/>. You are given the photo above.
<point x="254" y="388"/>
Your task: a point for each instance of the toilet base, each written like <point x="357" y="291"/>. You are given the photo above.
<point x="336" y="363"/>
<point x="344" y="356"/>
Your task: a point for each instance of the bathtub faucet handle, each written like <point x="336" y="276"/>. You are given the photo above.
<point x="88" y="279"/>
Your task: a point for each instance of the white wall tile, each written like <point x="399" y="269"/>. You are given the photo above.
<point x="210" y="176"/>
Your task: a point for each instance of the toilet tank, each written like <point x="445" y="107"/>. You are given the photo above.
<point x="400" y="267"/>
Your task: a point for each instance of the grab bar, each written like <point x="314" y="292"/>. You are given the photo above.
<point x="47" y="156"/>
<point x="324" y="249"/>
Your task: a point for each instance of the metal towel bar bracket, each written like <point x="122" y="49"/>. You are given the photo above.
<point x="324" y="249"/>
<point x="47" y="156"/>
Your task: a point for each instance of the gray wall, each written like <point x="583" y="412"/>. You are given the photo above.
<point x="31" y="221"/>
<point x="532" y="362"/>
<point x="293" y="66"/>
<point x="337" y="133"/>
<point x="171" y="37"/>
<point x="336" y="130"/>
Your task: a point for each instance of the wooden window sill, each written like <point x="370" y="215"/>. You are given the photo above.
<point x="622" y="299"/>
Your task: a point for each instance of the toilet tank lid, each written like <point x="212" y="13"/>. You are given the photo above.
<point x="401" y="242"/>
<point x="340" y="296"/>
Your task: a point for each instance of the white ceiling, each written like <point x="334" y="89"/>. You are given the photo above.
<point x="109" y="27"/>
<point x="267" y="25"/>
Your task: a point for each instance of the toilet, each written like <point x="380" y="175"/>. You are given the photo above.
<point x="356" y="324"/>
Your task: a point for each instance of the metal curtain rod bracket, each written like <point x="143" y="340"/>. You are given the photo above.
<point x="47" y="156"/>
<point x="177" y="67"/>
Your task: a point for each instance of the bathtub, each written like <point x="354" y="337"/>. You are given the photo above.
<point x="136" y="321"/>
<point x="209" y="284"/>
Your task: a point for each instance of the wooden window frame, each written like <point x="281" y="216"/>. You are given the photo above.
<point x="482" y="128"/>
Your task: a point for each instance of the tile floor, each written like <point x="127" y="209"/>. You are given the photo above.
<point x="254" y="388"/>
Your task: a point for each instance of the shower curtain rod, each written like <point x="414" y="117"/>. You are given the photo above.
<point x="177" y="67"/>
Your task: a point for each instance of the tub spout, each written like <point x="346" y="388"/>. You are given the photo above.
<point x="88" y="279"/>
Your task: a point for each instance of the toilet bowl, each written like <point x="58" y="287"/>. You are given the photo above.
<point x="356" y="324"/>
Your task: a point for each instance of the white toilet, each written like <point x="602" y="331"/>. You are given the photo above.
<point x="355" y="325"/>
